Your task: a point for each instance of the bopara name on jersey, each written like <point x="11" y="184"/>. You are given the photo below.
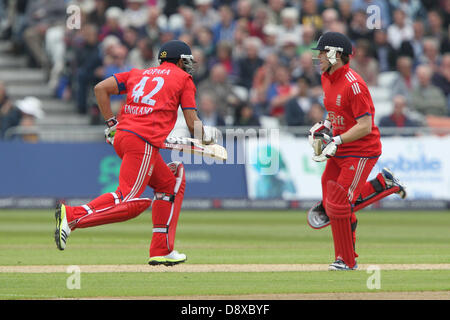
<point x="137" y="110"/>
<point x="156" y="71"/>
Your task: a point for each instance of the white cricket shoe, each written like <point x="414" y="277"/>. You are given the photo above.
<point x="171" y="259"/>
<point x="62" y="230"/>
<point x="340" y="265"/>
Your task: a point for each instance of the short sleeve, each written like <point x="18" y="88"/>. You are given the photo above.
<point x="187" y="100"/>
<point x="359" y="98"/>
<point x="121" y="79"/>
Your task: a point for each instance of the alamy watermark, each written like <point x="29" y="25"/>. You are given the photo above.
<point x="73" y="21"/>
<point x="74" y="279"/>
<point x="374" y="280"/>
<point x="373" y="17"/>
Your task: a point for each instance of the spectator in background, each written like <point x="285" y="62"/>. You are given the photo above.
<point x="204" y="41"/>
<point x="244" y="10"/>
<point x="441" y="79"/>
<point x="262" y="79"/>
<point x="279" y="92"/>
<point x="445" y="42"/>
<point x="248" y="65"/>
<point x="398" y="118"/>
<point x="112" y="27"/>
<point x="130" y="37"/>
<point x="329" y="17"/>
<point x="308" y="40"/>
<point x="275" y="8"/>
<point x="306" y="69"/>
<point x="224" y="30"/>
<point x="358" y="27"/>
<point x="201" y="70"/>
<point x="240" y="35"/>
<point x="208" y="111"/>
<point x="364" y="64"/>
<point x="205" y="14"/>
<point x="135" y="14"/>
<point x="431" y="54"/>
<point x="40" y="16"/>
<point x="143" y="56"/>
<point x="259" y="21"/>
<point x="288" y="49"/>
<point x="401" y="30"/>
<point x="224" y="57"/>
<point x="270" y="40"/>
<point x="87" y="57"/>
<point x="245" y="116"/>
<point x="435" y="27"/>
<point x="221" y="89"/>
<point x="112" y="64"/>
<point x="298" y="106"/>
<point x="31" y="110"/>
<point x="404" y="79"/>
<point x="9" y="114"/>
<point x="427" y="99"/>
<point x="289" y="24"/>
<point x="153" y="28"/>
<point x="414" y="48"/>
<point x="315" y="114"/>
<point x="413" y="9"/>
<point x="97" y="15"/>
<point x="310" y="15"/>
<point x="385" y="54"/>
<point x="345" y="11"/>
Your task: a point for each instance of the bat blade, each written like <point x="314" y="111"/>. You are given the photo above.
<point x="195" y="146"/>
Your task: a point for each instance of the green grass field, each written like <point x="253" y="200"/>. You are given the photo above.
<point x="222" y="238"/>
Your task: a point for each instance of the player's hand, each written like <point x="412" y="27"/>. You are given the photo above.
<point x="110" y="131"/>
<point x="319" y="127"/>
<point x="329" y="151"/>
<point x="210" y="135"/>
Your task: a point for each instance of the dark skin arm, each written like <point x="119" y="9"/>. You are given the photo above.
<point x="103" y="91"/>
<point x="192" y="122"/>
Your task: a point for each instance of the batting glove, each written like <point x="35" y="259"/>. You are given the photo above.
<point x="110" y="131"/>
<point x="329" y="151"/>
<point x="210" y="135"/>
<point x="319" y="127"/>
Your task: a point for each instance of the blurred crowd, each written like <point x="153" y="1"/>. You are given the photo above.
<point x="253" y="57"/>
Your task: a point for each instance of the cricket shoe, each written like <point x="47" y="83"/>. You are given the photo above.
<point x="317" y="217"/>
<point x="392" y="181"/>
<point x="62" y="230"/>
<point x="340" y="265"/>
<point x="171" y="259"/>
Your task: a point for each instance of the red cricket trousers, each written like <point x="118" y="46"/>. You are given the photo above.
<point x="142" y="166"/>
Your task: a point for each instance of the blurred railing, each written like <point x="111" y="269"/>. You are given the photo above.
<point x="59" y="133"/>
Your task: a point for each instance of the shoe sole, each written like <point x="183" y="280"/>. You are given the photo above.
<point x="58" y="230"/>
<point x="402" y="192"/>
<point x="167" y="263"/>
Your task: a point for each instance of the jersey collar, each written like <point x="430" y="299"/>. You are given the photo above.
<point x="338" y="73"/>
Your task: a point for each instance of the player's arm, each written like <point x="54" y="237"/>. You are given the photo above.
<point x="103" y="91"/>
<point x="362" y="128"/>
<point x="208" y="135"/>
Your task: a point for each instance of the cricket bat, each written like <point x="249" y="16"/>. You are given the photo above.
<point x="195" y="146"/>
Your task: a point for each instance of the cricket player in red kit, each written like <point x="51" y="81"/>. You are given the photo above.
<point x="352" y="148"/>
<point x="140" y="129"/>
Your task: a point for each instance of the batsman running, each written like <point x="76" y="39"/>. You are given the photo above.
<point x="350" y="142"/>
<point x="139" y="131"/>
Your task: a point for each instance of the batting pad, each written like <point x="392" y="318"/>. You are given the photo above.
<point x="339" y="210"/>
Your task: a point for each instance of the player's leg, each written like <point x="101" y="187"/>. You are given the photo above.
<point x="317" y="217"/>
<point x="118" y="206"/>
<point x="353" y="177"/>
<point x="383" y="185"/>
<point x="168" y="182"/>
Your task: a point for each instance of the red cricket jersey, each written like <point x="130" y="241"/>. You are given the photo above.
<point x="153" y="98"/>
<point x="346" y="99"/>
